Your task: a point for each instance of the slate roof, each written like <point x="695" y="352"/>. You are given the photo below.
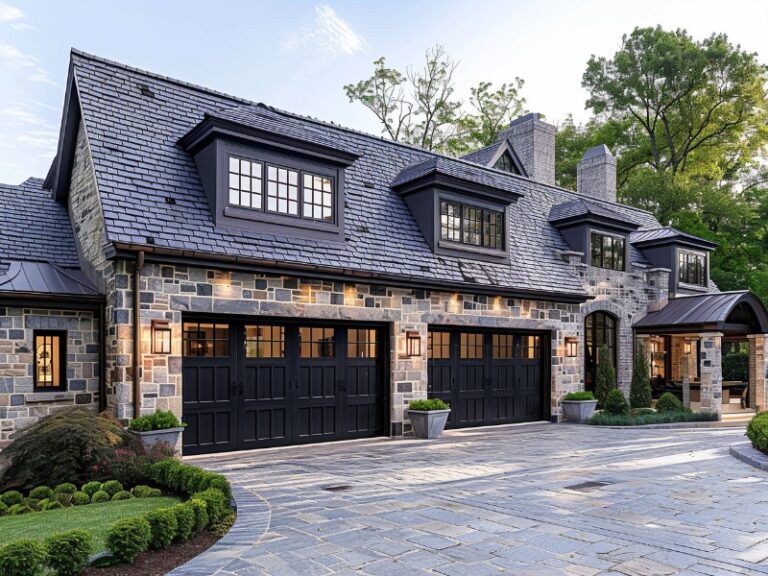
<point x="582" y="207"/>
<point x="138" y="165"/>
<point x="34" y="227"/>
<point x="667" y="233"/>
<point x="457" y="169"/>
<point x="45" y="278"/>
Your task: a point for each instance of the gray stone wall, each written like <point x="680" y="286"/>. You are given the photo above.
<point x="596" y="175"/>
<point x="20" y="405"/>
<point x="534" y="143"/>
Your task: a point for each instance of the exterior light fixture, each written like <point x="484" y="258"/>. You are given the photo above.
<point x="654" y="346"/>
<point x="412" y="343"/>
<point x="571" y="347"/>
<point x="687" y="348"/>
<point x="161" y="337"/>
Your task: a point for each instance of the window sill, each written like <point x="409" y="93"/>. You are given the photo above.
<point x="447" y="244"/>
<point x="260" y="222"/>
<point x="47" y="397"/>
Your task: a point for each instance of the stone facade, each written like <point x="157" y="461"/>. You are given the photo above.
<point x="20" y="405"/>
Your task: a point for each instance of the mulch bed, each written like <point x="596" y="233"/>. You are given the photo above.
<point x="159" y="562"/>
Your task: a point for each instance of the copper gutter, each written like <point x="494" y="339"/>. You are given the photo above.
<point x="137" y="334"/>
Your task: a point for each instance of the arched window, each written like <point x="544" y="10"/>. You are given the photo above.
<point x="599" y="329"/>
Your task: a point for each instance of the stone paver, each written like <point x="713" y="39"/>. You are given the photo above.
<point x="502" y="500"/>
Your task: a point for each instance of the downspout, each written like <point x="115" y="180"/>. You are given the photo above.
<point x="137" y="334"/>
<point x="103" y="357"/>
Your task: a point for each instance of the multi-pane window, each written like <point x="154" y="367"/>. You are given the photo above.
<point x="439" y="345"/>
<point x="361" y="343"/>
<point x="607" y="251"/>
<point x="692" y="268"/>
<point x="270" y="188"/>
<point x="264" y="341"/>
<point x="244" y="183"/>
<point x="471" y="225"/>
<point x="206" y="339"/>
<point x="317" y="342"/>
<point x="530" y="347"/>
<point x="505" y="163"/>
<point x="503" y="346"/>
<point x="50" y="360"/>
<point x="471" y="345"/>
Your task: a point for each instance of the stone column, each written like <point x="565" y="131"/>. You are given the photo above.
<point x="687" y="368"/>
<point x="409" y="375"/>
<point x="711" y="372"/>
<point x="758" y="353"/>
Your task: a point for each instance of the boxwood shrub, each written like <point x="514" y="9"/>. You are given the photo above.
<point x="616" y="403"/>
<point x="160" y="420"/>
<point x="52" y="505"/>
<point x="11" y="497"/>
<point x="100" y="497"/>
<point x="163" y="524"/>
<point x="216" y="504"/>
<point x="80" y="499"/>
<point x="19" y="509"/>
<point x="22" y="558"/>
<point x="143" y="491"/>
<point x="122" y="495"/>
<point x="757" y="432"/>
<point x="41" y="493"/>
<point x="669" y="403"/>
<point x="579" y="396"/>
<point x="200" y="508"/>
<point x="185" y="521"/>
<point x="431" y="404"/>
<point x="68" y="552"/>
<point x="91" y="488"/>
<point x="128" y="538"/>
<point x="112" y="487"/>
<point x="3" y="509"/>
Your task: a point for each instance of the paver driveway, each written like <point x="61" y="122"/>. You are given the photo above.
<point x="500" y="501"/>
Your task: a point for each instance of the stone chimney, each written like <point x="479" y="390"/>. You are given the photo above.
<point x="534" y="143"/>
<point x="596" y="174"/>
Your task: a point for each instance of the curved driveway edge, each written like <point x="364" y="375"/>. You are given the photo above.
<point x="253" y="518"/>
<point x="750" y="455"/>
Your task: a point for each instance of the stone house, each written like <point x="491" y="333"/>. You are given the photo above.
<point x="274" y="279"/>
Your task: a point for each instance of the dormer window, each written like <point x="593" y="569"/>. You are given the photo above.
<point x="471" y="225"/>
<point x="506" y="164"/>
<point x="608" y="251"/>
<point x="692" y="268"/>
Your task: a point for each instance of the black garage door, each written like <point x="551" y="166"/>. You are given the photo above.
<point x="489" y="377"/>
<point x="256" y="384"/>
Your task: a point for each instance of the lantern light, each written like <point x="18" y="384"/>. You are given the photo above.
<point x="412" y="343"/>
<point x="161" y="337"/>
<point x="571" y="347"/>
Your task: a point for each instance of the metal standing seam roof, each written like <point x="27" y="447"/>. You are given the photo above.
<point x="45" y="278"/>
<point x="581" y="207"/>
<point x="133" y="141"/>
<point x="668" y="233"/>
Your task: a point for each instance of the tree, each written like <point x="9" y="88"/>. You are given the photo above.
<point x="420" y="108"/>
<point x="605" y="378"/>
<point x="640" y="388"/>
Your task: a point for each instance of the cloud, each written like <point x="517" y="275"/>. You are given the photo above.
<point x="11" y="57"/>
<point x="328" y="36"/>
<point x="10" y="13"/>
<point x="23" y="26"/>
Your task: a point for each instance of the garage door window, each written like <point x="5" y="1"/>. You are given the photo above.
<point x="530" y="348"/>
<point x="206" y="339"/>
<point x="503" y="346"/>
<point x="265" y="341"/>
<point x="361" y="343"/>
<point x="471" y="345"/>
<point x="439" y="345"/>
<point x="317" y="342"/>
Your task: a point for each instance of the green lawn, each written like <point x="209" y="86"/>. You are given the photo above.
<point x="94" y="518"/>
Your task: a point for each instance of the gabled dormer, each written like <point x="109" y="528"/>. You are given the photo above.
<point x="500" y="155"/>
<point x="461" y="209"/>
<point x="686" y="255"/>
<point x="600" y="234"/>
<point x="263" y="175"/>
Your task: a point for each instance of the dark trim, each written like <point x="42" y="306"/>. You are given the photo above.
<point x="45" y="300"/>
<point x="615" y="225"/>
<point x="456" y="184"/>
<point x="62" y="352"/>
<point x="137" y="363"/>
<point x="102" y="357"/>
<point x="684" y="241"/>
<point x="65" y="154"/>
<point x="243" y="264"/>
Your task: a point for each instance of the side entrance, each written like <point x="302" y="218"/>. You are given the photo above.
<point x="258" y="383"/>
<point x="489" y="377"/>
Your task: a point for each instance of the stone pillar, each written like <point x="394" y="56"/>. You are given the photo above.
<point x="758" y="353"/>
<point x="687" y="368"/>
<point x="711" y="372"/>
<point x="409" y="375"/>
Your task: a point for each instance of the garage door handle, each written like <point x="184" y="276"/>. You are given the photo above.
<point x="233" y="389"/>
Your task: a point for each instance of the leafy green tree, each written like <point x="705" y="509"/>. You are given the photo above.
<point x="605" y="378"/>
<point x="640" y="388"/>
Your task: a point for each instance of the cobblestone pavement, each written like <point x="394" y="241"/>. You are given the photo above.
<point x="504" y="500"/>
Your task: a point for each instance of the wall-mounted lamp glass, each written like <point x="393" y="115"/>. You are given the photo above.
<point x="412" y="343"/>
<point x="571" y="347"/>
<point x="687" y="348"/>
<point x="654" y="346"/>
<point x="161" y="337"/>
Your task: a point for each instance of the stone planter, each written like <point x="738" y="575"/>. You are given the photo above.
<point x="169" y="435"/>
<point x="428" y="423"/>
<point x="578" y="410"/>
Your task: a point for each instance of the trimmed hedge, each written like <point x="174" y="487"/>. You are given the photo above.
<point x="163" y="525"/>
<point x="431" y="404"/>
<point x="200" y="508"/>
<point x="112" y="487"/>
<point x="122" y="495"/>
<point x="100" y="497"/>
<point x="757" y="432"/>
<point x="616" y="403"/>
<point x="216" y="504"/>
<point x="579" y="396"/>
<point x="128" y="538"/>
<point x="143" y="491"/>
<point x="80" y="499"/>
<point x="22" y="558"/>
<point x="669" y="403"/>
<point x="91" y="488"/>
<point x="68" y="552"/>
<point x="11" y="497"/>
<point x="185" y="521"/>
<point x="183" y="478"/>
<point x="603" y="419"/>
<point x="41" y="493"/>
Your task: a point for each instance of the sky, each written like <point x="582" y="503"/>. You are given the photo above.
<point x="298" y="55"/>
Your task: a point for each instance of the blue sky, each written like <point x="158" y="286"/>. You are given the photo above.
<point x="297" y="55"/>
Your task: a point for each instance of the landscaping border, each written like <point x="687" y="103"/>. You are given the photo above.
<point x="253" y="518"/>
<point x="746" y="453"/>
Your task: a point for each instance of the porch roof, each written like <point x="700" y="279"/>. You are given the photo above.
<point x="23" y="277"/>
<point x="735" y="312"/>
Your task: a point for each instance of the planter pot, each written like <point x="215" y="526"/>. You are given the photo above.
<point x="578" y="410"/>
<point x="169" y="435"/>
<point x="428" y="423"/>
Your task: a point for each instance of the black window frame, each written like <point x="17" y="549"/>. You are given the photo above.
<point x="700" y="271"/>
<point x="597" y="253"/>
<point x="596" y="324"/>
<point x="480" y="217"/>
<point x="62" y="352"/>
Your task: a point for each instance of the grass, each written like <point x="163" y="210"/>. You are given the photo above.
<point x="602" y="419"/>
<point x="94" y="518"/>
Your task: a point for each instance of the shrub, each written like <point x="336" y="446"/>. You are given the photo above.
<point x="52" y="505"/>
<point x="669" y="403"/>
<point x="68" y="552"/>
<point x="200" y="508"/>
<point x="111" y="487"/>
<point x="216" y="504"/>
<point x="64" y="492"/>
<point x="128" y="538"/>
<point x="19" y="509"/>
<point x="191" y="479"/>
<point x="163" y="525"/>
<point x="80" y="499"/>
<point x="640" y="388"/>
<point x="122" y="495"/>
<point x="3" y="509"/>
<point x="736" y="366"/>
<point x="605" y="419"/>
<point x="185" y="521"/>
<point x="12" y="497"/>
<point x="220" y="528"/>
<point x="577" y="396"/>
<point x="41" y="493"/>
<point x="605" y="377"/>
<point x="757" y="431"/>
<point x="159" y="472"/>
<point x="22" y="558"/>
<point x="219" y="482"/>
<point x="431" y="404"/>
<point x="64" y="447"/>
<point x="91" y="488"/>
<point x="143" y="491"/>
<point x="160" y="420"/>
<point x="616" y="403"/>
<point x="99" y="497"/>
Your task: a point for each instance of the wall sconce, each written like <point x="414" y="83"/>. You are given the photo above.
<point x="687" y="348"/>
<point x="412" y="343"/>
<point x="571" y="347"/>
<point x="654" y="346"/>
<point x="161" y="337"/>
